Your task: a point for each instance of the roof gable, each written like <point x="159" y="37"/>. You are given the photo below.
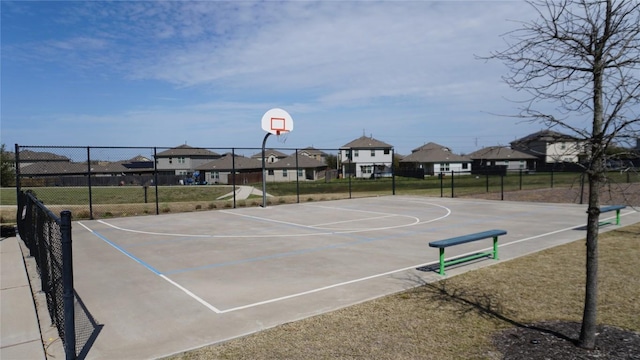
<point x="186" y="150"/>
<point x="500" y="153"/>
<point x="366" y="142"/>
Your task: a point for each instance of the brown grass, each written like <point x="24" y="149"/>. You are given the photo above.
<point x="456" y="318"/>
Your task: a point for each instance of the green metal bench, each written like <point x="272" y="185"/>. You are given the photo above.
<point x="442" y="244"/>
<point x="615" y="208"/>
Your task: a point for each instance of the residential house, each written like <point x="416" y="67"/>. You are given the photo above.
<point x="270" y="155"/>
<point x="501" y="156"/>
<point x="551" y="147"/>
<point x="314" y="154"/>
<point x="434" y="159"/>
<point x="29" y="157"/>
<point x="220" y="171"/>
<point x="296" y="168"/>
<point x="364" y="157"/>
<point x="183" y="160"/>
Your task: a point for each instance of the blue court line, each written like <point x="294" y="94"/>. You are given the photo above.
<point x="115" y="246"/>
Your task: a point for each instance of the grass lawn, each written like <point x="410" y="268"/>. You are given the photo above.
<point x="457" y="317"/>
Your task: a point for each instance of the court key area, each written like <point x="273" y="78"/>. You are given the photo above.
<point x="160" y="285"/>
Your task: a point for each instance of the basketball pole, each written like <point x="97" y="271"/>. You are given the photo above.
<point x="264" y="171"/>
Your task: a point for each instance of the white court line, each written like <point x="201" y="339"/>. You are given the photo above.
<point x="148" y="267"/>
<point x="321" y="289"/>
<point x="357" y="220"/>
<point x="392" y="272"/>
<point x="194" y="296"/>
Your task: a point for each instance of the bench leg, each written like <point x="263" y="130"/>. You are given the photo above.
<point x="441" y="272"/>
<point x="495" y="248"/>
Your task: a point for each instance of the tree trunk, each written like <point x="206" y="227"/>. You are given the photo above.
<point x="589" y="317"/>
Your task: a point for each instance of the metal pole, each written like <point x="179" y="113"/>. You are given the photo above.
<point x="67" y="286"/>
<point x="233" y="174"/>
<point x="393" y="173"/>
<point x="264" y="172"/>
<point x="155" y="178"/>
<point x="89" y="182"/>
<point x="501" y="186"/>
<point x="452" y="185"/>
<point x="297" y="178"/>
<point x="441" y="184"/>
<point x="520" y="179"/>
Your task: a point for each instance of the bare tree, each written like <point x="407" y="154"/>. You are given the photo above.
<point x="581" y="59"/>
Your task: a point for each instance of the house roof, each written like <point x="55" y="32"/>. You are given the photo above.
<point x="548" y="136"/>
<point x="229" y="162"/>
<point x="500" y="153"/>
<point x="431" y="146"/>
<point x="311" y="151"/>
<point x="28" y="156"/>
<point x="269" y="152"/>
<point x="186" y="150"/>
<point x="49" y="168"/>
<point x="433" y="155"/>
<point x="304" y="162"/>
<point x="366" y="142"/>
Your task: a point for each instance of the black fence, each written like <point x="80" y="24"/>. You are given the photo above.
<point x="103" y="182"/>
<point x="48" y="239"/>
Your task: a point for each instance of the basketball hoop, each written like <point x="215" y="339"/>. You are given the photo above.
<point x="281" y="136"/>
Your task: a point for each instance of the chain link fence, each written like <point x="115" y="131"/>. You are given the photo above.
<point x="103" y="182"/>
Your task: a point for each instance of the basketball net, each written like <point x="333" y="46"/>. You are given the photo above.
<point x="282" y="136"/>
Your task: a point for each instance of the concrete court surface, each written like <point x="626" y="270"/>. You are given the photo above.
<point x="164" y="284"/>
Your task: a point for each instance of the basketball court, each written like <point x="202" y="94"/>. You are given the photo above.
<point x="164" y="284"/>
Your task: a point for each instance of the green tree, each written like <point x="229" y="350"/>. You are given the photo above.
<point x="8" y="175"/>
<point x="582" y="58"/>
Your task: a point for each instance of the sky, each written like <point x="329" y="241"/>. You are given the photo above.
<point x="203" y="73"/>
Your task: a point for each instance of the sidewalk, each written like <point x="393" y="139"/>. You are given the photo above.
<point x="19" y="328"/>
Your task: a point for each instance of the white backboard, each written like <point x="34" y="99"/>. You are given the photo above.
<point x="277" y="121"/>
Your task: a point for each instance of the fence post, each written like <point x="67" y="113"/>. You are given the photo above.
<point x="582" y="188"/>
<point x="441" y="184"/>
<point x="501" y="186"/>
<point x="487" y="176"/>
<point x="520" y="179"/>
<point x="552" y="178"/>
<point x="67" y="283"/>
<point x="89" y="182"/>
<point x="155" y="177"/>
<point x="298" y="179"/>
<point x="452" y="187"/>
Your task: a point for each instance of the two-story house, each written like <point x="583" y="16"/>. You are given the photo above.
<point x="183" y="160"/>
<point x="364" y="157"/>
<point x="551" y="147"/>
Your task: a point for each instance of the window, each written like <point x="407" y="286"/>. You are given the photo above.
<point x="387" y="151"/>
<point x="270" y="172"/>
<point x="522" y="164"/>
<point x="181" y="160"/>
<point x="373" y="153"/>
<point x="355" y="153"/>
<point x="300" y="173"/>
<point x="465" y="166"/>
<point x="284" y="172"/>
<point x="347" y="153"/>
<point x="215" y="175"/>
<point x="444" y="166"/>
